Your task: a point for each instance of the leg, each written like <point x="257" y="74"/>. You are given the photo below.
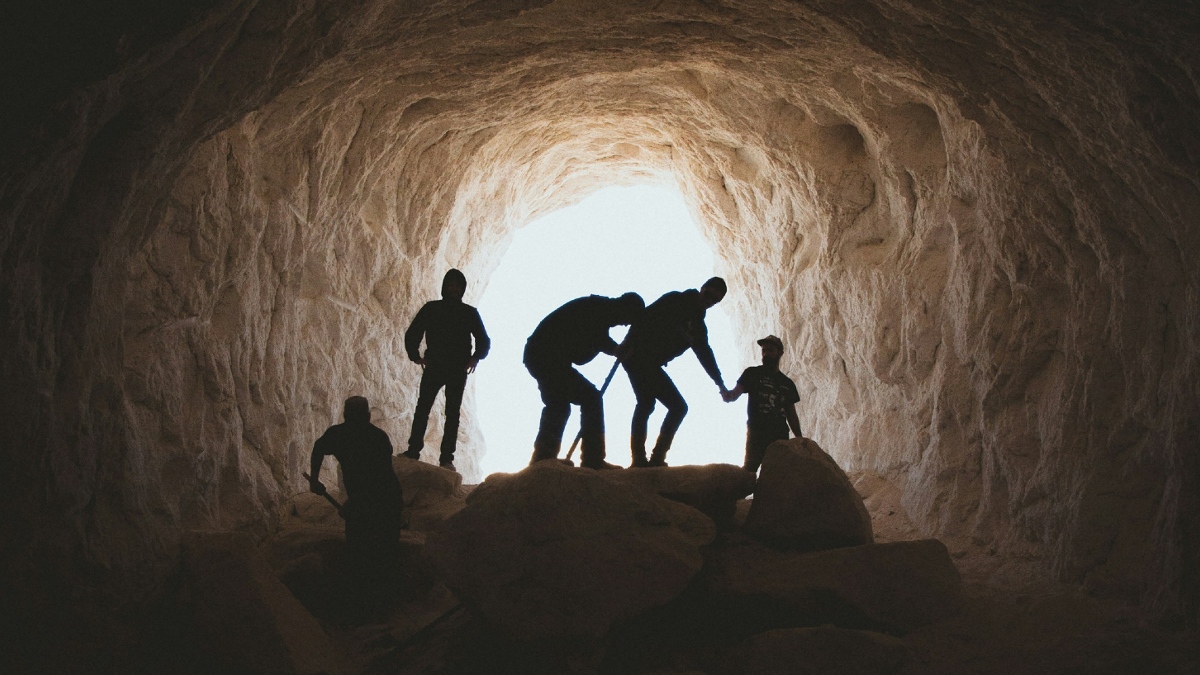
<point x="591" y="412"/>
<point x="456" y="382"/>
<point x="638" y="379"/>
<point x="665" y="391"/>
<point x="555" y="412"/>
<point x="430" y="384"/>
<point x="755" y="449"/>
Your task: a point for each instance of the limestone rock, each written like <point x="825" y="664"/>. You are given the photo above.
<point x="804" y="500"/>
<point x="245" y="615"/>
<point x="713" y="489"/>
<point x="556" y="552"/>
<point x="308" y="509"/>
<point x="894" y="587"/>
<point x="820" y="651"/>
<point x="424" y="484"/>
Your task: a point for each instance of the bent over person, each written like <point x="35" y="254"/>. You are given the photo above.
<point x="670" y="326"/>
<point x="364" y="453"/>
<point x="771" y="407"/>
<point x="447" y="325"/>
<point x="573" y="335"/>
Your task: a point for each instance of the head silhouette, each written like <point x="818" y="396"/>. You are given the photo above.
<point x="631" y="307"/>
<point x="454" y="285"/>
<point x="712" y="291"/>
<point x="356" y="409"/>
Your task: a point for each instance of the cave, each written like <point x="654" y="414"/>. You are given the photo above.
<point x="969" y="222"/>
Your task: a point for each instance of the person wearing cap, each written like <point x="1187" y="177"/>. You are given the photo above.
<point x="670" y="326"/>
<point x="771" y="407"/>
<point x="447" y="326"/>
<point x="573" y="335"/>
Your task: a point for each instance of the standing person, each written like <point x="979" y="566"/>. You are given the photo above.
<point x="447" y="326"/>
<point x="574" y="334"/>
<point x="669" y="327"/>
<point x="771" y="407"/>
<point x="364" y="453"/>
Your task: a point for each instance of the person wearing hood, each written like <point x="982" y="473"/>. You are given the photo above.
<point x="771" y="407"/>
<point x="573" y="335"/>
<point x="447" y="326"/>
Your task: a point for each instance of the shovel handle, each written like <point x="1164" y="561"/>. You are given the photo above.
<point x="326" y="495"/>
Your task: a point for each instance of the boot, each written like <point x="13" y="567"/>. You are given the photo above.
<point x="657" y="458"/>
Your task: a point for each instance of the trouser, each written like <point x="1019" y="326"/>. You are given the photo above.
<point x="757" y="441"/>
<point x="454" y="379"/>
<point x="651" y="384"/>
<point x="373" y="545"/>
<point x="561" y="385"/>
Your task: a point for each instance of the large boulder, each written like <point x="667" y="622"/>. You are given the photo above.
<point x="891" y="587"/>
<point x="818" y="651"/>
<point x="804" y="501"/>
<point x="557" y="552"/>
<point x="713" y="489"/>
<point x="431" y="494"/>
<point x="245" y="616"/>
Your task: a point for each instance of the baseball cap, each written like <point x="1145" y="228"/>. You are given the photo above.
<point x="771" y="339"/>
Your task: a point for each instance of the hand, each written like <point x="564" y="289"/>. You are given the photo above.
<point x="316" y="487"/>
<point x="728" y="396"/>
<point x="623" y="350"/>
<point x="420" y="361"/>
<point x="471" y="364"/>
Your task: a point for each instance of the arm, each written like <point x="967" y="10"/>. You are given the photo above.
<point x="412" y="336"/>
<point x="793" y="421"/>
<point x="314" y="471"/>
<point x="698" y="336"/>
<point x="483" y="343"/>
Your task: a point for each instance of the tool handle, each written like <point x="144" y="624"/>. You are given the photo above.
<point x="326" y="495"/>
<point x="612" y="371"/>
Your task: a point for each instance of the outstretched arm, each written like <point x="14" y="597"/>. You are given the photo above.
<point x="698" y="336"/>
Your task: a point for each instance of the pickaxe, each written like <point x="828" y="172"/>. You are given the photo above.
<point x="602" y="390"/>
<point x="325" y="494"/>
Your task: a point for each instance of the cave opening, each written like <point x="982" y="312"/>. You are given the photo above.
<point x="622" y="238"/>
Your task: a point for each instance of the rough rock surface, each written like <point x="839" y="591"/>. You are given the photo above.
<point x="246" y="617"/>
<point x="713" y="489"/>
<point x="556" y="552"/>
<point x="804" y="501"/>
<point x="894" y="587"/>
<point x="970" y="222"/>
<point x="819" y="651"/>
<point x="431" y="494"/>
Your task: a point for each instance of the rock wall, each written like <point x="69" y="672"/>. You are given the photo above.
<point x="969" y="224"/>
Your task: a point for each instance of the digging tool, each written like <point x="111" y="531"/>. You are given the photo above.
<point x="326" y="495"/>
<point x="603" y="388"/>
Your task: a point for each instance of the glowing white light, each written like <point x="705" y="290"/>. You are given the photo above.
<point x="619" y="239"/>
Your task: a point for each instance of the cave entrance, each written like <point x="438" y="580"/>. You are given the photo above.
<point x="619" y="239"/>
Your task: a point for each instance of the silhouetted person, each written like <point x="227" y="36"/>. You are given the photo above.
<point x="374" y="500"/>
<point x="573" y="335"/>
<point x="771" y="407"/>
<point x="447" y="326"/>
<point x="669" y="327"/>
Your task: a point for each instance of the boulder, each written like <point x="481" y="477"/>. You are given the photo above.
<point x="713" y="489"/>
<point x="554" y="552"/>
<point x="892" y="587"/>
<point x="308" y="509"/>
<point x="431" y="494"/>
<point x="804" y="501"/>
<point x="818" y="651"/>
<point x="245" y="616"/>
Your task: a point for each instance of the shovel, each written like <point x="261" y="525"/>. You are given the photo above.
<point x="602" y="390"/>
<point x="324" y="494"/>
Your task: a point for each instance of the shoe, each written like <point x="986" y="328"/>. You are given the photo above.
<point x="639" y="462"/>
<point x="448" y="464"/>
<point x="600" y="466"/>
<point x="412" y="454"/>
<point x="657" y="460"/>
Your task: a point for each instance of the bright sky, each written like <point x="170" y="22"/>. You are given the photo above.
<point x="620" y="239"/>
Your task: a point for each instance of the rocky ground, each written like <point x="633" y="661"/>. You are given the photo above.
<point x="564" y="570"/>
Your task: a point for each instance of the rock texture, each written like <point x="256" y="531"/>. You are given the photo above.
<point x="821" y="650"/>
<point x="895" y="587"/>
<point x="804" y="501"/>
<point x="554" y="552"/>
<point x="972" y="224"/>
<point x="246" y="617"/>
<point x="713" y="489"/>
